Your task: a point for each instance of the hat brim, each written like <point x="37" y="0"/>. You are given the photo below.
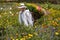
<point x="22" y="7"/>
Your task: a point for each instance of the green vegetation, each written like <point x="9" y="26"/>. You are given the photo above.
<point x="45" y="28"/>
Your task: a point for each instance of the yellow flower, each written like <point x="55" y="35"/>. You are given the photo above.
<point x="16" y="34"/>
<point x="56" y="20"/>
<point x="22" y="39"/>
<point x="53" y="22"/>
<point x="56" y="33"/>
<point x="29" y="37"/>
<point x="25" y="36"/>
<point x="13" y="39"/>
<point x="16" y="39"/>
<point x="12" y="14"/>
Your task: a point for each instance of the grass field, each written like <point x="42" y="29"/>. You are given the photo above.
<point x="45" y="28"/>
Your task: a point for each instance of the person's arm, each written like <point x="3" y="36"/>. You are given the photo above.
<point x="39" y="8"/>
<point x="44" y="11"/>
<point x="29" y="15"/>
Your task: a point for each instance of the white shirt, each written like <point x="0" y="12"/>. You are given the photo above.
<point x="26" y="18"/>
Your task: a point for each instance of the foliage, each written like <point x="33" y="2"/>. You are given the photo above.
<point x="45" y="28"/>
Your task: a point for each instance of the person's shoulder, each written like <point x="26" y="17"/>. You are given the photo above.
<point x="27" y="10"/>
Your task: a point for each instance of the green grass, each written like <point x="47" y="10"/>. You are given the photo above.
<point x="46" y="28"/>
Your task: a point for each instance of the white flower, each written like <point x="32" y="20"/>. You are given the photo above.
<point x="10" y="12"/>
<point x="10" y="8"/>
<point x="1" y="8"/>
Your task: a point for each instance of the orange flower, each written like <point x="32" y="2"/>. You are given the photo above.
<point x="44" y="26"/>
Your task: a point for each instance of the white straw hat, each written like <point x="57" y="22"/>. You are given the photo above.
<point x="22" y="5"/>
